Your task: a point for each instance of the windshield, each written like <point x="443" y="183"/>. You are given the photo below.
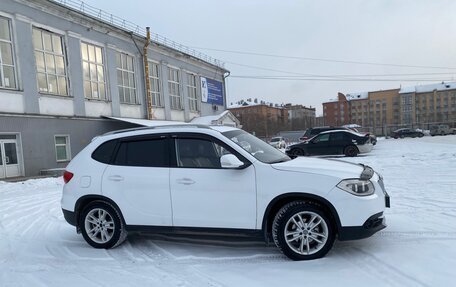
<point x="256" y="147"/>
<point x="275" y="139"/>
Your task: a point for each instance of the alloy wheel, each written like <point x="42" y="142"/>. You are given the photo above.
<point x="99" y="225"/>
<point x="306" y="233"/>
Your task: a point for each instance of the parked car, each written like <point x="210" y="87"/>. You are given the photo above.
<point x="402" y="133"/>
<point x="222" y="179"/>
<point x="278" y="142"/>
<point x="373" y="138"/>
<point x="311" y="132"/>
<point x="331" y="143"/>
<point x="441" y="130"/>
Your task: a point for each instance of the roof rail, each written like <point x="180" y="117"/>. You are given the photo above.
<point x="157" y="127"/>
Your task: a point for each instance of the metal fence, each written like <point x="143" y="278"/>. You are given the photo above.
<point x="386" y="130"/>
<point x="128" y="26"/>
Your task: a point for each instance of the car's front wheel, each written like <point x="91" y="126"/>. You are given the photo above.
<point x="101" y="225"/>
<point x="303" y="231"/>
<point x="297" y="152"/>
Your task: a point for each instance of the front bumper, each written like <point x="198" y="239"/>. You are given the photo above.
<point x="70" y="216"/>
<point x="372" y="225"/>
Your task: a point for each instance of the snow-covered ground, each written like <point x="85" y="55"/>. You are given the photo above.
<point x="418" y="248"/>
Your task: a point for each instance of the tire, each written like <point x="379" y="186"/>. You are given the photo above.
<point x="311" y="242"/>
<point x="351" y="151"/>
<point x="420" y="135"/>
<point x="93" y="216"/>
<point x="395" y="137"/>
<point x="297" y="152"/>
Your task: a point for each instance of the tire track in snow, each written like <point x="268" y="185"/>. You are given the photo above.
<point x="417" y="235"/>
<point x="370" y="264"/>
<point x="164" y="261"/>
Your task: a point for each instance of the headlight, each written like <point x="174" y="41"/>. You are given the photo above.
<point x="357" y="186"/>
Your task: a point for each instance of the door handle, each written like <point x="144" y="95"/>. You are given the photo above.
<point x="115" y="178"/>
<point x="185" y="181"/>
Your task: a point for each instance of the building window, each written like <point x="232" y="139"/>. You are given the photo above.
<point x="174" y="89"/>
<point x="155" y="87"/>
<point x="62" y="148"/>
<point x="7" y="71"/>
<point x="192" y="97"/>
<point x="126" y="78"/>
<point x="50" y="62"/>
<point x="93" y="70"/>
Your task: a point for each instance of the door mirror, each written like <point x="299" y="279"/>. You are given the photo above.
<point x="230" y="161"/>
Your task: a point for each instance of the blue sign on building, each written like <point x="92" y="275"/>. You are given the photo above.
<point x="211" y="91"/>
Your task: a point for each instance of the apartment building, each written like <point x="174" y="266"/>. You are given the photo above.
<point x="427" y="104"/>
<point x="69" y="72"/>
<point x="385" y="110"/>
<point x="300" y="117"/>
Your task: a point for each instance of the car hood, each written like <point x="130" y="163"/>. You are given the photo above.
<point x="329" y="167"/>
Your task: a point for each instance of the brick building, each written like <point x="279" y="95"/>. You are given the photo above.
<point x="261" y="119"/>
<point x="386" y="110"/>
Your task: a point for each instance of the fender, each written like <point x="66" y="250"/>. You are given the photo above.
<point x="287" y="197"/>
<point x="84" y="200"/>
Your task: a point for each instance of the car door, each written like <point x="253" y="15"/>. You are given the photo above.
<point x="337" y="142"/>
<point x="137" y="180"/>
<point x="319" y="145"/>
<point x="206" y="195"/>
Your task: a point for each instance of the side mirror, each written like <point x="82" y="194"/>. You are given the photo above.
<point x="230" y="161"/>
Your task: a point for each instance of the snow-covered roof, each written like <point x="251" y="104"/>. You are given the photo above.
<point x="249" y="103"/>
<point x="428" y="88"/>
<point x="357" y="96"/>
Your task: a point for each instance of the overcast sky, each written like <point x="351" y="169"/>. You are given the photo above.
<point x="411" y="33"/>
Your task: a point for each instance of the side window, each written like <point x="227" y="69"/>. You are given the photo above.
<point x="335" y="137"/>
<point x="148" y="153"/>
<point x="105" y="151"/>
<point x="199" y="153"/>
<point x="62" y="148"/>
<point x="321" y="138"/>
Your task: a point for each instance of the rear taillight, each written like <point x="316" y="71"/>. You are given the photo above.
<point x="67" y="176"/>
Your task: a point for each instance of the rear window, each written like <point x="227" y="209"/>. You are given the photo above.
<point x="105" y="152"/>
<point x="147" y="153"/>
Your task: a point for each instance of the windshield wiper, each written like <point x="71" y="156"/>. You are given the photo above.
<point x="280" y="160"/>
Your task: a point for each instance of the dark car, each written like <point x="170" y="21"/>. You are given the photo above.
<point x="403" y="133"/>
<point x="311" y="132"/>
<point x="332" y="143"/>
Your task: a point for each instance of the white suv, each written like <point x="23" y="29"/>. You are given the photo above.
<point x="200" y="178"/>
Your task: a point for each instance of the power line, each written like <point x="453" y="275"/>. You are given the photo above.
<point x="326" y="60"/>
<point x="353" y="75"/>
<point x="336" y="79"/>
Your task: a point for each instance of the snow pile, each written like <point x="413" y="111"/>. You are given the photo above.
<point x="38" y="248"/>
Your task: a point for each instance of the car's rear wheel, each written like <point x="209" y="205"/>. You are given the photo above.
<point x="351" y="151"/>
<point x="297" y="152"/>
<point x="303" y="231"/>
<point x="101" y="225"/>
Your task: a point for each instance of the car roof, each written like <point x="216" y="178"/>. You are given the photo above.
<point x="182" y="127"/>
<point x="342" y="130"/>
